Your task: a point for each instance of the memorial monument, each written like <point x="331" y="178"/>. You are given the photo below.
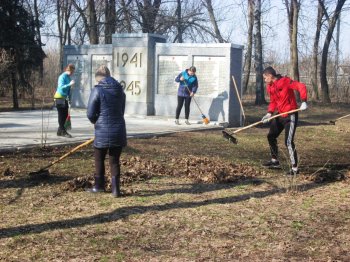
<point x="146" y="66"/>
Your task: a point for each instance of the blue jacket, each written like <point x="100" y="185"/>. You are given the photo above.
<point x="106" y="108"/>
<point x="63" y="87"/>
<point x="190" y="81"/>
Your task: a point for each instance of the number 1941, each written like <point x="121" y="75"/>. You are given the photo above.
<point x="123" y="59"/>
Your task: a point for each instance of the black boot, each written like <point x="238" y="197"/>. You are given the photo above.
<point x="59" y="132"/>
<point x="99" y="185"/>
<point x="66" y="134"/>
<point x="116" y="186"/>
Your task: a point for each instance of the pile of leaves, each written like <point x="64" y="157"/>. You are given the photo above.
<point x="328" y="175"/>
<point x="198" y="169"/>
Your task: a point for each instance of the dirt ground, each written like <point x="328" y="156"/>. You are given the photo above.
<point x="189" y="196"/>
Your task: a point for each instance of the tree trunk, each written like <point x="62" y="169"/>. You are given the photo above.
<point x="179" y="22"/>
<point x="127" y="18"/>
<point x="314" y="78"/>
<point x="325" y="98"/>
<point x="38" y="36"/>
<point x="294" y="41"/>
<point x="260" y="95"/>
<point x="209" y="6"/>
<point x="110" y="20"/>
<point x="93" y="32"/>
<point x="248" y="55"/>
<point x="14" y="91"/>
<point x="148" y="13"/>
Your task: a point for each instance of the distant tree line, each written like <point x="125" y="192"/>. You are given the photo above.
<point x="27" y="24"/>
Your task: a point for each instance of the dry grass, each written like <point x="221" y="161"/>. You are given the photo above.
<point x="181" y="203"/>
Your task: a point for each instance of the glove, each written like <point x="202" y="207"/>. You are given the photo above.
<point x="303" y="106"/>
<point x="266" y="117"/>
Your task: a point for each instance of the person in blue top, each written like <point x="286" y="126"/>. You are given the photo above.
<point x="188" y="85"/>
<point x="105" y="110"/>
<point x="61" y="98"/>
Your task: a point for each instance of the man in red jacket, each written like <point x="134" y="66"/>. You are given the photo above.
<point x="282" y="99"/>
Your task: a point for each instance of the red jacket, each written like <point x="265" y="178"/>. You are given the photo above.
<point x="282" y="97"/>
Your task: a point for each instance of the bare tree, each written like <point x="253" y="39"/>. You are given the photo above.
<point x="88" y="14"/>
<point x="332" y="21"/>
<point x="209" y="7"/>
<point x="110" y="20"/>
<point x="179" y="22"/>
<point x="148" y="12"/>
<point x="315" y="52"/>
<point x="248" y="54"/>
<point x="63" y="9"/>
<point x="293" y="8"/>
<point x="126" y="16"/>
<point x="260" y="94"/>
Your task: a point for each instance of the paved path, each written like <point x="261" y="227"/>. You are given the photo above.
<point x="23" y="129"/>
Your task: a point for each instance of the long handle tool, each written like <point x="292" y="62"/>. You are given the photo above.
<point x="239" y="98"/>
<point x="333" y="121"/>
<point x="44" y="171"/>
<point x="229" y="135"/>
<point x="204" y="118"/>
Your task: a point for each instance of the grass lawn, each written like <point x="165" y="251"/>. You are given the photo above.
<point x="189" y="196"/>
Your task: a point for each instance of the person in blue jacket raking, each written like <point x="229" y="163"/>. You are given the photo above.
<point x="188" y="85"/>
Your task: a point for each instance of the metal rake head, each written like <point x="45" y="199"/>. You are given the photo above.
<point x="229" y="137"/>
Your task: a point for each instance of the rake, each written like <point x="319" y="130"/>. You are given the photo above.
<point x="230" y="135"/>
<point x="204" y="118"/>
<point x="44" y="172"/>
<point x="333" y="121"/>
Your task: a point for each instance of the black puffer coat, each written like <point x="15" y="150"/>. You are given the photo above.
<point x="106" y="110"/>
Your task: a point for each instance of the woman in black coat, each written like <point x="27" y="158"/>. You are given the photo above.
<point x="106" y="111"/>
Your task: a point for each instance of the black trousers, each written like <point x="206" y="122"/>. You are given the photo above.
<point x="114" y="161"/>
<point x="180" y="102"/>
<point x="289" y="124"/>
<point x="62" y="114"/>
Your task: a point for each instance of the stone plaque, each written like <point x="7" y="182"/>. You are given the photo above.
<point x="96" y="62"/>
<point x="211" y="74"/>
<point x="168" y="69"/>
<point x="81" y="90"/>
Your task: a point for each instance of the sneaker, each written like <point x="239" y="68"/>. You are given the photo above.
<point x="274" y="164"/>
<point x="177" y="122"/>
<point x="292" y="172"/>
<point x="187" y="122"/>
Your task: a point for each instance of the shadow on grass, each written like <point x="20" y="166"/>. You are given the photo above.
<point x="30" y="181"/>
<point x="124" y="212"/>
<point x="200" y="188"/>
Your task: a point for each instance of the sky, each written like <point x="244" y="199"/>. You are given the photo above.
<point x="232" y="19"/>
<point x="275" y="26"/>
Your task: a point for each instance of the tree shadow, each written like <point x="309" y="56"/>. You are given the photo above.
<point x="198" y="188"/>
<point x="124" y="212"/>
<point x="33" y="181"/>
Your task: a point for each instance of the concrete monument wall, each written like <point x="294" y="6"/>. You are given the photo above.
<point x="215" y="64"/>
<point x="146" y="66"/>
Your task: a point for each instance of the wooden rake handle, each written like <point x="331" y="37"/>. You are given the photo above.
<point x="341" y="117"/>
<point x="238" y="96"/>
<point x="88" y="142"/>
<point x="260" y="122"/>
<point x="193" y="98"/>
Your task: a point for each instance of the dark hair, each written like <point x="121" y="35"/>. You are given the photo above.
<point x="271" y="71"/>
<point x="192" y="69"/>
